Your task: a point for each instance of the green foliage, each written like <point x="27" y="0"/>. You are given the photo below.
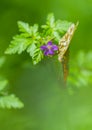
<point x="18" y="45"/>
<point x="62" y="26"/>
<point x="55" y="28"/>
<point x="7" y="100"/>
<point x="30" y="39"/>
<point x="10" y="101"/>
<point x="81" y="71"/>
<point x="24" y="41"/>
<point x="24" y="28"/>
<point x="35" y="53"/>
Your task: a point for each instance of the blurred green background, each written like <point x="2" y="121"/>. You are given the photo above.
<point x="47" y="105"/>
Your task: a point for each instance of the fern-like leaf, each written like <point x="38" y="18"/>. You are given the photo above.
<point x="18" y="45"/>
<point x="10" y="101"/>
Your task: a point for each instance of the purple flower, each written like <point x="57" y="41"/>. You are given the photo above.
<point x="49" y="48"/>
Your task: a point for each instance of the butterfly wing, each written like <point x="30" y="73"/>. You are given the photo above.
<point x="63" y="54"/>
<point x="65" y="41"/>
<point x="65" y="65"/>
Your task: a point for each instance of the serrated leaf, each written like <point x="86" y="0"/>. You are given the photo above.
<point x="18" y="45"/>
<point x="10" y="101"/>
<point x="37" y="57"/>
<point x="31" y="49"/>
<point x="56" y="36"/>
<point x="24" y="27"/>
<point x="35" y="53"/>
<point x="35" y="28"/>
<point x="62" y="26"/>
<point x="3" y="84"/>
<point x="51" y="20"/>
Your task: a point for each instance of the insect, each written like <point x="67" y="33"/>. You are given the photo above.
<point x="63" y="55"/>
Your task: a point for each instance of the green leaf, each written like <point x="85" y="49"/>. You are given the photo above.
<point x="34" y="28"/>
<point x="37" y="57"/>
<point x="55" y="28"/>
<point x="35" y="53"/>
<point x="56" y="36"/>
<point x="35" y="34"/>
<point x="18" y="45"/>
<point x="24" y="27"/>
<point x="31" y="49"/>
<point x="3" y="84"/>
<point x="51" y="20"/>
<point x="62" y="26"/>
<point x="50" y="23"/>
<point x="28" y="31"/>
<point x="10" y="101"/>
<point x="81" y="70"/>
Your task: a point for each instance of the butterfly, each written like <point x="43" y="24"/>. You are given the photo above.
<point x="63" y="53"/>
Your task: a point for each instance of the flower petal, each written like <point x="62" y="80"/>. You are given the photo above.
<point x="46" y="53"/>
<point x="54" y="48"/>
<point x="44" y="47"/>
<point x="49" y="43"/>
<point x="50" y="52"/>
